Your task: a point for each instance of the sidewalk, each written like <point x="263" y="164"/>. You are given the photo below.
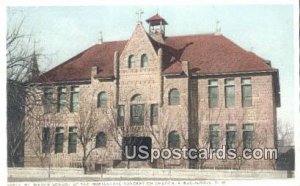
<point x="72" y="174"/>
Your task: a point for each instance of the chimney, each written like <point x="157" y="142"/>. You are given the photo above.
<point x="94" y="71"/>
<point x="268" y="62"/>
<point x="116" y="64"/>
<point x="218" y="28"/>
<point x="100" y="38"/>
<point x="185" y="67"/>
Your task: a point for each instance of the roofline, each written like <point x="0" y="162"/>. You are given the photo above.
<point x="234" y="73"/>
<point x="63" y="82"/>
<point x="105" y="78"/>
<point x="196" y="34"/>
<point x="172" y="74"/>
<point x="166" y="75"/>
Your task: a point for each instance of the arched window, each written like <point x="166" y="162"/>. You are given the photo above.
<point x="136" y="110"/>
<point x="136" y="97"/>
<point x="131" y="61"/>
<point x="100" y="140"/>
<point x="144" y="60"/>
<point x="102" y="100"/>
<point x="173" y="140"/>
<point x="174" y="97"/>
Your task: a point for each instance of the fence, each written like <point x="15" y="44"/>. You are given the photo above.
<point x="198" y="174"/>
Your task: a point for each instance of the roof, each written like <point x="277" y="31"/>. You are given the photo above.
<point x="155" y="20"/>
<point x="210" y="54"/>
<point x="207" y="54"/>
<point x="79" y="67"/>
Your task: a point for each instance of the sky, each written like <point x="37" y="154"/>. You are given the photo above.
<point x="267" y="30"/>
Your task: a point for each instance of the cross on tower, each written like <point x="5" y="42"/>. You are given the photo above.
<point x="139" y="13"/>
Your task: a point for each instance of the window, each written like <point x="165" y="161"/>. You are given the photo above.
<point x="46" y="140"/>
<point x="136" y="110"/>
<point x="173" y="140"/>
<point x="74" y="99"/>
<point x="154" y="114"/>
<point x="59" y="139"/>
<point x="131" y="61"/>
<point x="213" y="93"/>
<point x="137" y="114"/>
<point x="72" y="140"/>
<point x="144" y="60"/>
<point x="247" y="136"/>
<point x="174" y="97"/>
<point x="136" y="98"/>
<point x="61" y="99"/>
<point x="230" y="136"/>
<point x="121" y="115"/>
<point x="246" y="92"/>
<point x="47" y="100"/>
<point x="100" y="140"/>
<point x="214" y="136"/>
<point x="102" y="100"/>
<point x="229" y="93"/>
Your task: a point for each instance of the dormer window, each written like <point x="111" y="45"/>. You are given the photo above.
<point x="131" y="61"/>
<point x="144" y="60"/>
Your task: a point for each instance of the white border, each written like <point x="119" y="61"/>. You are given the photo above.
<point x="7" y="3"/>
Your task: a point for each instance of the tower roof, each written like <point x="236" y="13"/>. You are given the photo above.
<point x="155" y="20"/>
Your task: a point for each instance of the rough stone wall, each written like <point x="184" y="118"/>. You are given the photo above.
<point x="191" y="118"/>
<point x="260" y="114"/>
<point x="137" y="80"/>
<point x="87" y="95"/>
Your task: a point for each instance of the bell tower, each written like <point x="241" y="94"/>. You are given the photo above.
<point x="157" y="27"/>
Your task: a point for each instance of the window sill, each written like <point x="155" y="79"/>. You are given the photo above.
<point x="102" y="147"/>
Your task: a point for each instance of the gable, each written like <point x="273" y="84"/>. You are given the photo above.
<point x="138" y="44"/>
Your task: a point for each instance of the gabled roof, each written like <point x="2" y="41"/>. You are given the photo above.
<point x="207" y="54"/>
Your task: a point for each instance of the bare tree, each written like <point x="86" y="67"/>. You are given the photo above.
<point x="43" y="137"/>
<point x="43" y="125"/>
<point x="87" y="124"/>
<point x="285" y="132"/>
<point x="21" y="54"/>
<point x="160" y="132"/>
<point x="120" y="129"/>
<point x="21" y="68"/>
